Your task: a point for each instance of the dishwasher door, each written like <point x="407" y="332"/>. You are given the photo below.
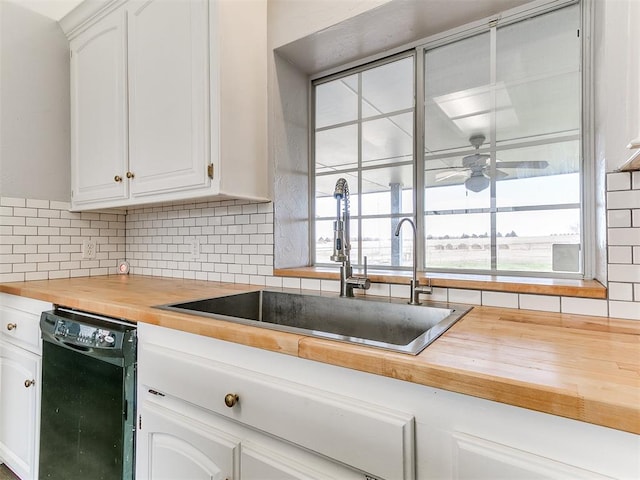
<point x="87" y="425"/>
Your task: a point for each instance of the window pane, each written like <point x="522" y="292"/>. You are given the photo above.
<point x="337" y="148"/>
<point x="523" y="173"/>
<point x="527" y="240"/>
<point x="457" y="93"/>
<point x="538" y="73"/>
<point x="458" y="241"/>
<point x="387" y="140"/>
<point x="376" y="241"/>
<point x="384" y="190"/>
<point x="387" y="88"/>
<point x="337" y="101"/>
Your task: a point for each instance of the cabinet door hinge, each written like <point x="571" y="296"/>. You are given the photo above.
<point x="139" y="422"/>
<point x="210" y="170"/>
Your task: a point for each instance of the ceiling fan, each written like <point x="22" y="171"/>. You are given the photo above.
<point x="476" y="167"/>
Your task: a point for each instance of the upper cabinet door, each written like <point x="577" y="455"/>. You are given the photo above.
<point x="168" y="95"/>
<point x="99" y="112"/>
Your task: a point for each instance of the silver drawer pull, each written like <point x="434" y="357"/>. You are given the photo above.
<point x="12" y="326"/>
<point x="28" y="383"/>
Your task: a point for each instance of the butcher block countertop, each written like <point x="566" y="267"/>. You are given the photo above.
<point x="580" y="367"/>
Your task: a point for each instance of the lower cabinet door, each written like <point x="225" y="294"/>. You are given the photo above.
<point x="262" y="463"/>
<point x="174" y="446"/>
<point x="19" y="410"/>
<point x="480" y="459"/>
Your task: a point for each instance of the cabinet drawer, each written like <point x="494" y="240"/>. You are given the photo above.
<point x="373" y="439"/>
<point x="20" y="321"/>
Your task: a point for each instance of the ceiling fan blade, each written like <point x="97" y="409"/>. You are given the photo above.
<point x="445" y="167"/>
<point x="476" y="159"/>
<point x="523" y="164"/>
<point x="440" y="177"/>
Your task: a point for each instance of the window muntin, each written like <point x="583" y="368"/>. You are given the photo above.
<point x="518" y="87"/>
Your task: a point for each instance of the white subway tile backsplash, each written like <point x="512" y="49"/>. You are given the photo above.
<point x="472" y="297"/>
<point x="618" y="181"/>
<point x="620" y="291"/>
<point x="623" y="236"/>
<point x="12" y="202"/>
<point x="500" y="299"/>
<point x="400" y="291"/>
<point x="629" y="310"/>
<point x="32" y="203"/>
<point x="624" y="273"/>
<point x="378" y="289"/>
<point x="619" y="218"/>
<point x="236" y="245"/>
<point x="275" y="282"/>
<point x="584" y="306"/>
<point x="330" y="286"/>
<point x="45" y="239"/>
<point x="437" y="294"/>
<point x="623" y="199"/>
<point x="289" y="282"/>
<point x="310" y="284"/>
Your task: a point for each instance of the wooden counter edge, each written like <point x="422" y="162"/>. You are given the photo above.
<point x="564" y="403"/>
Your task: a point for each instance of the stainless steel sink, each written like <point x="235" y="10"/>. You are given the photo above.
<point x="376" y="323"/>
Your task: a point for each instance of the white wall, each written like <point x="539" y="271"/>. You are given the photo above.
<point x="34" y="106"/>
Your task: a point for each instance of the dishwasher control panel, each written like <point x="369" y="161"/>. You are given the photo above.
<point x="89" y="333"/>
<point x="86" y="335"/>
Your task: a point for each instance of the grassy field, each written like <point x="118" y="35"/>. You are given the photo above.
<point x="514" y="253"/>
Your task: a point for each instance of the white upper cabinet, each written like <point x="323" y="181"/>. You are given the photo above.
<point x="168" y="95"/>
<point x="99" y="112"/>
<point x="168" y="101"/>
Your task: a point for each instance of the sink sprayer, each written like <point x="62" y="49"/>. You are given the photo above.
<point x="342" y="245"/>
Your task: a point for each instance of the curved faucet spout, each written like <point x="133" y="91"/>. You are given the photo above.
<point x="416" y="289"/>
<point x="415" y="241"/>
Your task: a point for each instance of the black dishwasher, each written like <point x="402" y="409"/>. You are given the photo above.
<point x="87" y="428"/>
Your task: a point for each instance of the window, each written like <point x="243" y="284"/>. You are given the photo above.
<point x="498" y="186"/>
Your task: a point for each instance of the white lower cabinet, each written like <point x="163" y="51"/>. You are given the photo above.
<point x="20" y="376"/>
<point x="176" y="445"/>
<point x="480" y="459"/>
<point x="296" y="418"/>
<point x="271" y="427"/>
<point x="177" y="440"/>
<point x="19" y="401"/>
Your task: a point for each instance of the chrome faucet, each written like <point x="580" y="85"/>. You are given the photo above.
<point x="416" y="288"/>
<point x="342" y="245"/>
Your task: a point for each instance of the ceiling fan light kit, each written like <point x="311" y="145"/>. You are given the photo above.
<point x="477" y="163"/>
<point x="477" y="183"/>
